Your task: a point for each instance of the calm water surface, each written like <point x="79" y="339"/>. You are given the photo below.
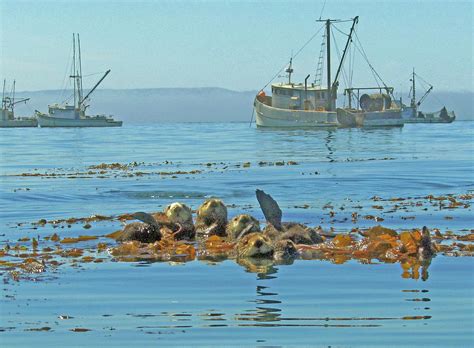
<point x="307" y="303"/>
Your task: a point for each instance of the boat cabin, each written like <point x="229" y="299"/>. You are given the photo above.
<point x="63" y="111"/>
<point x="300" y="97"/>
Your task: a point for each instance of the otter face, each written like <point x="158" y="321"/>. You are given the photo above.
<point x="285" y="249"/>
<point x="243" y="223"/>
<point x="212" y="211"/>
<point x="255" y="245"/>
<point x="179" y="213"/>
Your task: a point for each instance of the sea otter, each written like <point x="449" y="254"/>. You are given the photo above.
<point x="211" y="218"/>
<point x="180" y="214"/>
<point x="276" y="230"/>
<point x="241" y="225"/>
<point x="147" y="231"/>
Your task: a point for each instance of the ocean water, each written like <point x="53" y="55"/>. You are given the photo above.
<point x="383" y="173"/>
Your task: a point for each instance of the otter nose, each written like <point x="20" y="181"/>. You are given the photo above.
<point x="258" y="243"/>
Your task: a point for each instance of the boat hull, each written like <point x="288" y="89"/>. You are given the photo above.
<point x="268" y="116"/>
<point x="429" y="117"/>
<point x="386" y="118"/>
<point x="48" y="121"/>
<point x="27" y="122"/>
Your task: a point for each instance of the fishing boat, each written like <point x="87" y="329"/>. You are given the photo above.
<point x="303" y="105"/>
<point x="372" y="110"/>
<point x="7" y="115"/>
<point x="411" y="114"/>
<point x="64" y="115"/>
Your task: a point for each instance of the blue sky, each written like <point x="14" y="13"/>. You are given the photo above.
<point x="238" y="45"/>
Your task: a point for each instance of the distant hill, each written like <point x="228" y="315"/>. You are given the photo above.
<point x="199" y="104"/>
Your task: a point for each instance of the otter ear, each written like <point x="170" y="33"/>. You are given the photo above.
<point x="270" y="209"/>
<point x="146" y="218"/>
<point x="245" y="231"/>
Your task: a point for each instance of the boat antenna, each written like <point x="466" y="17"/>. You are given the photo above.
<point x="322" y="10"/>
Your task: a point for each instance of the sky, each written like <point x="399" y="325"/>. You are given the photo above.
<point x="239" y="45"/>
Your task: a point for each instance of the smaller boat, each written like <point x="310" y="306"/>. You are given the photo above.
<point x="7" y="115"/>
<point x="373" y="110"/>
<point x="411" y="114"/>
<point x="75" y="115"/>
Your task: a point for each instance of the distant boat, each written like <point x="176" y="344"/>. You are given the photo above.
<point x="373" y="110"/>
<point x="411" y="114"/>
<point x="7" y="115"/>
<point x="75" y="115"/>
<point x="303" y="105"/>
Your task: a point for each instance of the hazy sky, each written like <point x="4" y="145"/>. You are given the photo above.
<point x="232" y="44"/>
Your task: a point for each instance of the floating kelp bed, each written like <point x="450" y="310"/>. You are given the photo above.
<point x="173" y="236"/>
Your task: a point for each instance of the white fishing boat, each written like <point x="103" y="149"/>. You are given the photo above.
<point x="372" y="110"/>
<point x="299" y="104"/>
<point x="64" y="115"/>
<point x="7" y="112"/>
<point x="411" y="114"/>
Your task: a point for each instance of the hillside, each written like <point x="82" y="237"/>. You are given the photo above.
<point x="199" y="104"/>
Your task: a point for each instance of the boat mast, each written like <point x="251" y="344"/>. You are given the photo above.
<point x="3" y="95"/>
<point x="13" y="95"/>
<point x="73" y="75"/>
<point x="344" y="53"/>
<point x="331" y="85"/>
<point x="79" y="77"/>
<point x="413" y="98"/>
<point x="328" y="54"/>
<point x="289" y="71"/>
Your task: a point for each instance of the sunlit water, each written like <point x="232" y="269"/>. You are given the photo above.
<point x="308" y="303"/>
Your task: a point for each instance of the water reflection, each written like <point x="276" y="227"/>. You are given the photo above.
<point x="268" y="310"/>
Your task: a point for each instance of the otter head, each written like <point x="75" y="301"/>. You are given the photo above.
<point x="241" y="225"/>
<point x="212" y="214"/>
<point x="179" y="213"/>
<point x="255" y="245"/>
<point x="285" y="249"/>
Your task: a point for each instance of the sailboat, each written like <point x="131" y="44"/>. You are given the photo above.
<point x="7" y="111"/>
<point x="303" y="105"/>
<point x="411" y="114"/>
<point x="64" y="115"/>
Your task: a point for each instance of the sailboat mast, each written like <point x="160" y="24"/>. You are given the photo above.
<point x="80" y="71"/>
<point x="73" y="75"/>
<point x="328" y="55"/>
<point x="13" y="95"/>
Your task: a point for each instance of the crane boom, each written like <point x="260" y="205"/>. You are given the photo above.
<point x="93" y="88"/>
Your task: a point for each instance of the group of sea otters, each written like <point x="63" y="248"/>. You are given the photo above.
<point x="277" y="241"/>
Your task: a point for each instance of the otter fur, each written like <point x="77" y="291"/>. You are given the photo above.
<point x="240" y="225"/>
<point x="182" y="215"/>
<point x="211" y="218"/>
<point x="147" y="231"/>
